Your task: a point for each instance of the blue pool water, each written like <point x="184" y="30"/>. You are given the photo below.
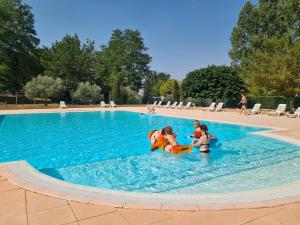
<point x="111" y="150"/>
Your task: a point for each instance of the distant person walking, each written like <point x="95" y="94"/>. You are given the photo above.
<point x="243" y="104"/>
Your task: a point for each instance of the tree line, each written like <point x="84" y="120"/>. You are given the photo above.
<point x="265" y="57"/>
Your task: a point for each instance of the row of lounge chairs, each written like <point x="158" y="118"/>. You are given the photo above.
<point x="63" y="105"/>
<point x="214" y="108"/>
<point x="281" y="111"/>
<point x="175" y="105"/>
<point x="104" y="105"/>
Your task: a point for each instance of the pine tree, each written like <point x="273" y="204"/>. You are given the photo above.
<point x="175" y="91"/>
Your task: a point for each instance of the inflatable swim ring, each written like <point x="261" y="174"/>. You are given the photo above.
<point x="181" y="149"/>
<point x="161" y="144"/>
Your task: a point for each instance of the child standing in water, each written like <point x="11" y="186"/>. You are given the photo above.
<point x="197" y="132"/>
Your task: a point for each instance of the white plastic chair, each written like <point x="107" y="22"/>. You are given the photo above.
<point x="168" y="105"/>
<point x="112" y="104"/>
<point x="255" y="109"/>
<point x="188" y="106"/>
<point x="173" y="106"/>
<point x="103" y="105"/>
<point x="180" y="105"/>
<point x="219" y="107"/>
<point x="159" y="104"/>
<point x="62" y="105"/>
<point x="154" y="104"/>
<point x="279" y="111"/>
<point x="212" y="107"/>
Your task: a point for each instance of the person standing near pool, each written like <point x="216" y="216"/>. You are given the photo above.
<point x="243" y="102"/>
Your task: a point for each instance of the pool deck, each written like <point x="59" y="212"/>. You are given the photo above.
<point x="23" y="206"/>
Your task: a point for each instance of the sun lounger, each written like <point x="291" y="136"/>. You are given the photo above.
<point x="159" y="104"/>
<point x="219" y="107"/>
<point x="180" y="105"/>
<point x="255" y="109"/>
<point x="154" y="104"/>
<point x="212" y="107"/>
<point x="62" y="105"/>
<point x="188" y="106"/>
<point x="112" y="104"/>
<point x="295" y="114"/>
<point x="173" y="106"/>
<point x="168" y="105"/>
<point x="279" y="111"/>
<point x="103" y="105"/>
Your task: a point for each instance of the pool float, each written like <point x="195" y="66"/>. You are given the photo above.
<point x="162" y="143"/>
<point x="179" y="149"/>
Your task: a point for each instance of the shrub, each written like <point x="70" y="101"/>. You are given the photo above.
<point x="87" y="92"/>
<point x="296" y="102"/>
<point x="198" y="101"/>
<point x="44" y="87"/>
<point x="131" y="96"/>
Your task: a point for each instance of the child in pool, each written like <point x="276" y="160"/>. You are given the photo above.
<point x="197" y="132"/>
<point x="204" y="140"/>
<point x="171" y="138"/>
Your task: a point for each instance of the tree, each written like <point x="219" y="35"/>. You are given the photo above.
<point x="264" y="30"/>
<point x="175" y="91"/>
<point x="86" y="92"/>
<point x="44" y="87"/>
<point x="71" y="61"/>
<point x="116" y="90"/>
<point x="166" y="88"/>
<point x="125" y="55"/>
<point x="152" y="84"/>
<point x="131" y="96"/>
<point x="275" y="71"/>
<point x="213" y="82"/>
<point x="18" y="59"/>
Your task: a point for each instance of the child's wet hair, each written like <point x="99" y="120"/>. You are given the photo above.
<point x="167" y="130"/>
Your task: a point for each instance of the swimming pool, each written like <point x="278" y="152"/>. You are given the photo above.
<point x="110" y="150"/>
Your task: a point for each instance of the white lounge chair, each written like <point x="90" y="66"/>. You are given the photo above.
<point x="159" y="104"/>
<point x="173" y="106"/>
<point x="62" y="105"/>
<point x="180" y="105"/>
<point x="188" y="106"/>
<point x="255" y="109"/>
<point x="219" y="107"/>
<point x="103" y="105"/>
<point x="112" y="104"/>
<point x="168" y="105"/>
<point x="154" y="104"/>
<point x="212" y="107"/>
<point x="279" y="111"/>
<point x="295" y="114"/>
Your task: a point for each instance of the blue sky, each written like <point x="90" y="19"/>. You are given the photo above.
<point x="182" y="35"/>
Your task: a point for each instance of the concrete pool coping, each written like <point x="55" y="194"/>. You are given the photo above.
<point x="24" y="175"/>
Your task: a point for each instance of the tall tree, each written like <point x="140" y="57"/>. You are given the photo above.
<point x="126" y="55"/>
<point x="69" y="60"/>
<point x="18" y="59"/>
<point x="116" y="90"/>
<point x="175" y="91"/>
<point x="264" y="30"/>
<point x="152" y="81"/>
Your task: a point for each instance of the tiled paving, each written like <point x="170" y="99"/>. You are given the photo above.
<point x="23" y="207"/>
